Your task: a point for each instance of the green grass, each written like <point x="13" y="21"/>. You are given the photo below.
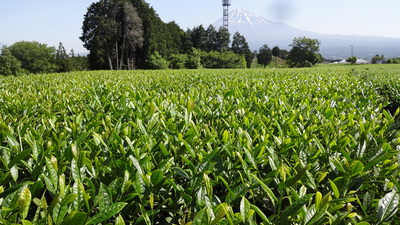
<point x="275" y="146"/>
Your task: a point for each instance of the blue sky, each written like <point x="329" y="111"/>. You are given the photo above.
<point x="54" y="21"/>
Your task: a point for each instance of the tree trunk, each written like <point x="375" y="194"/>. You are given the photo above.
<point x="109" y="58"/>
<point x="117" y="56"/>
<point x="122" y="52"/>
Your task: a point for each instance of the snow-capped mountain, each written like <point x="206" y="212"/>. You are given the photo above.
<point x="241" y="16"/>
<point x="244" y="18"/>
<point x="259" y="31"/>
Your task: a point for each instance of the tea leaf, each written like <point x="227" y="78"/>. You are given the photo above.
<point x="24" y="202"/>
<point x="201" y="217"/>
<point x="269" y="192"/>
<point x="335" y="190"/>
<point x="107" y="213"/>
<point x="244" y="209"/>
<point x="293" y="208"/>
<point x="388" y="206"/>
<point x="104" y="197"/>
<point x="136" y="164"/>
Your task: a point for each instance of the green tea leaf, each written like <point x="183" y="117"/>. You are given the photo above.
<point x="157" y="177"/>
<point x="12" y="142"/>
<point x="313" y="215"/>
<point x="26" y="222"/>
<point x="181" y="172"/>
<point x="244" y="209"/>
<point x="104" y="197"/>
<point x="356" y="168"/>
<point x="21" y="156"/>
<point x="335" y="190"/>
<point x="225" y="136"/>
<point x="293" y="208"/>
<point x="269" y="192"/>
<point x="79" y="218"/>
<point x="388" y="206"/>
<point x="62" y="207"/>
<point x="260" y="214"/>
<point x="201" y="217"/>
<point x="24" y="202"/>
<point x="145" y="215"/>
<point x="119" y="221"/>
<point x="136" y="164"/>
<point x="53" y="174"/>
<point x="107" y="213"/>
<point x="207" y="183"/>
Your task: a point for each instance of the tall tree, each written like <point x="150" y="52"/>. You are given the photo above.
<point x="164" y="38"/>
<point x="275" y="52"/>
<point x="99" y="33"/>
<point x="132" y="35"/>
<point x="112" y="30"/>
<point x="264" y="55"/>
<point x="173" y="39"/>
<point x="62" y="59"/>
<point x="198" y="37"/>
<point x="223" y="39"/>
<point x="211" y="39"/>
<point x="304" y="52"/>
<point x="241" y="47"/>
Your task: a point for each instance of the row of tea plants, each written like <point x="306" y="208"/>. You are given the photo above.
<point x="306" y="146"/>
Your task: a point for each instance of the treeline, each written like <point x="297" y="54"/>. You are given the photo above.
<point x="33" y="57"/>
<point x="394" y="60"/>
<point x="128" y="34"/>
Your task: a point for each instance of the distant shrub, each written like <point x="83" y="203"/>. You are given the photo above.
<point x="157" y="62"/>
<point x="352" y="60"/>
<point x="9" y="65"/>
<point x="194" y="60"/>
<point x="34" y="56"/>
<point x="222" y="60"/>
<point x="178" y="61"/>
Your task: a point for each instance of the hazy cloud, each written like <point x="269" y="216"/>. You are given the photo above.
<point x="281" y="10"/>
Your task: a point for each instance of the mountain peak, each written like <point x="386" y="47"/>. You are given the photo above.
<point x="244" y="17"/>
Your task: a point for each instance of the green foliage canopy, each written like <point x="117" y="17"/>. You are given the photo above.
<point x="241" y="47"/>
<point x="352" y="60"/>
<point x="34" y="56"/>
<point x="9" y="65"/>
<point x="264" y="55"/>
<point x="222" y="60"/>
<point x="304" y="52"/>
<point x="377" y="58"/>
<point x="157" y="62"/>
<point x="112" y="32"/>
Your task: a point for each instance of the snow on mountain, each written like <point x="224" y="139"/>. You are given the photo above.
<point x="259" y="31"/>
<point x="241" y="16"/>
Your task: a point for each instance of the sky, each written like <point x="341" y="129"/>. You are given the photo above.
<point x="55" y="21"/>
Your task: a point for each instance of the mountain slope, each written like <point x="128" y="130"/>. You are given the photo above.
<point x="259" y="31"/>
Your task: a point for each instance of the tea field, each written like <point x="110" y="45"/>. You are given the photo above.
<point x="290" y="146"/>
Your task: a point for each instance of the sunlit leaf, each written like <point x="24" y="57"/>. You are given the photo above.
<point x="107" y="213"/>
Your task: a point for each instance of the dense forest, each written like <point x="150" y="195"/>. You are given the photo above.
<point x="129" y="34"/>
